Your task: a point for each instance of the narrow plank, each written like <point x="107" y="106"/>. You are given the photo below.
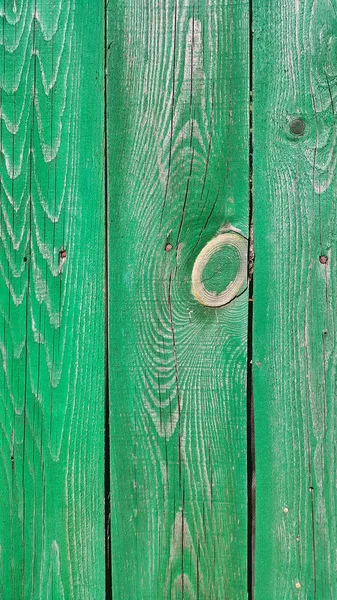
<point x="295" y="321"/>
<point x="178" y="110"/>
<point x="51" y="300"/>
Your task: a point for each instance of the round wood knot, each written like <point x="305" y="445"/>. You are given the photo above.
<point x="297" y="127"/>
<point x="222" y="266"/>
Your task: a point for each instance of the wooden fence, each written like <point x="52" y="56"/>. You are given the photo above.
<point x="168" y="299"/>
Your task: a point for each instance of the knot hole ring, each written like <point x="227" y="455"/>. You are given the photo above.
<point x="232" y="241"/>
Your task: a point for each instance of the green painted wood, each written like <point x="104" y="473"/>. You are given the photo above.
<point x="51" y="300"/>
<point x="178" y="111"/>
<point x="294" y="333"/>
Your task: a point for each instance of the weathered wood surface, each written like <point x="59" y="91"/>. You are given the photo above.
<point x="51" y="300"/>
<point x="294" y="337"/>
<point x="178" y="111"/>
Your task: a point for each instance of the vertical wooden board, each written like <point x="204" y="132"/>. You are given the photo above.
<point x="51" y="300"/>
<point x="178" y="111"/>
<point x="294" y="333"/>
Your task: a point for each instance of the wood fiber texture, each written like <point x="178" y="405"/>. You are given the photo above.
<point x="178" y="130"/>
<point x="123" y="280"/>
<point x="294" y="333"/>
<point x="51" y="300"/>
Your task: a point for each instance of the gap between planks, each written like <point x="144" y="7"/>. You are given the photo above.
<point x="251" y="504"/>
<point x="107" y="464"/>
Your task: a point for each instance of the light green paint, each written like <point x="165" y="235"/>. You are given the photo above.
<point x="178" y="109"/>
<point x="294" y="334"/>
<point x="51" y="305"/>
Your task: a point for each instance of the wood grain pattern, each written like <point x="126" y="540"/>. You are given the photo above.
<point x="178" y="107"/>
<point x="295" y="57"/>
<point x="51" y="300"/>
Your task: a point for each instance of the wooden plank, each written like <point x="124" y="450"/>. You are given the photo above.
<point x="51" y="300"/>
<point x="178" y="111"/>
<point x="295" y="298"/>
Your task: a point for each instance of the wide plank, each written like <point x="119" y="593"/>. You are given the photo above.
<point x="51" y="300"/>
<point x="178" y="133"/>
<point x="295" y="298"/>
